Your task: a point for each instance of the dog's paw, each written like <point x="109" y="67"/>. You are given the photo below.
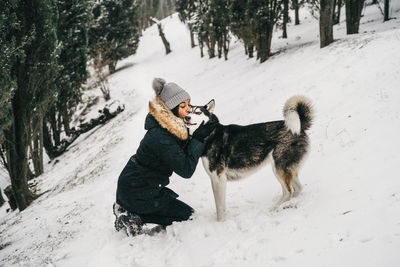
<point x="220" y="217"/>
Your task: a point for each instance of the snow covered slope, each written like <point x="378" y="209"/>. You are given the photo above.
<point x="347" y="215"/>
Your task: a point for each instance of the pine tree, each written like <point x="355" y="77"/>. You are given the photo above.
<point x="146" y="10"/>
<point x="250" y="20"/>
<point x="220" y="25"/>
<point x="166" y="8"/>
<point x="32" y="35"/>
<point x="8" y="22"/>
<point x="264" y="15"/>
<point x="187" y="12"/>
<point x="72" y="33"/>
<point x="211" y="23"/>
<point x="204" y="27"/>
<point x="241" y="25"/>
<point x="114" y="34"/>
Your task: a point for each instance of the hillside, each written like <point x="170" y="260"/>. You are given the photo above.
<point x="347" y="215"/>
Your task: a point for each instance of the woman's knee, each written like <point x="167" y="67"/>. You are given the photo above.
<point x="185" y="211"/>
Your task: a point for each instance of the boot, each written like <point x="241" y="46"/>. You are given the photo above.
<point x="124" y="219"/>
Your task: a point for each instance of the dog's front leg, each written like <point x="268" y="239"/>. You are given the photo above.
<point x="219" y="189"/>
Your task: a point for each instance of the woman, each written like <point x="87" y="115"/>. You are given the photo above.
<point x="142" y="195"/>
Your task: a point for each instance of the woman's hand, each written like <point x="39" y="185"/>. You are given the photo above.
<point x="204" y="130"/>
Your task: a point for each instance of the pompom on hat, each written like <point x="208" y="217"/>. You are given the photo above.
<point x="171" y="93"/>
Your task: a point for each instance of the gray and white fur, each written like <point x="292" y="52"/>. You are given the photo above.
<point x="233" y="151"/>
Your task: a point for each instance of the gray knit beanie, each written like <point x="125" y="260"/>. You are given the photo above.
<point x="171" y="93"/>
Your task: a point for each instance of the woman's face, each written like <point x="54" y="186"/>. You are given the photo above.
<point x="184" y="109"/>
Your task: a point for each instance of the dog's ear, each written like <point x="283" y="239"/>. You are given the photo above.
<point x="210" y="106"/>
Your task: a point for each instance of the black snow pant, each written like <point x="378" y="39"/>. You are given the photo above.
<point x="174" y="211"/>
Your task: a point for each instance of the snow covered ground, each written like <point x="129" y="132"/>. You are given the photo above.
<point x="347" y="215"/>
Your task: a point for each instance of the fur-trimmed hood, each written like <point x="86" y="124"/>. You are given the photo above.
<point x="167" y="120"/>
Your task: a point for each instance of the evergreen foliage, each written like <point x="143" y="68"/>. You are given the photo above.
<point x="72" y="35"/>
<point x="220" y="25"/>
<point x="264" y="14"/>
<point x="114" y="34"/>
<point x="202" y="26"/>
<point x="166" y="8"/>
<point x="147" y="9"/>
<point x="187" y="12"/>
<point x="250" y="20"/>
<point x="241" y="24"/>
<point x="43" y="57"/>
<point x="30" y="69"/>
<point x="158" y="9"/>
<point x="8" y="23"/>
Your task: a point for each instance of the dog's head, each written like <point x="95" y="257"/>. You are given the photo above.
<point x="199" y="115"/>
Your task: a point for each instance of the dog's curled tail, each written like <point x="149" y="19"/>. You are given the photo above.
<point x="298" y="114"/>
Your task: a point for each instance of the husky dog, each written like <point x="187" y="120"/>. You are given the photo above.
<point x="234" y="151"/>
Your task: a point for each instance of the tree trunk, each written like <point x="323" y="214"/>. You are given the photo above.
<point x="3" y="156"/>
<point x="54" y="126"/>
<point x="192" y="44"/>
<point x="211" y="47"/>
<point x="112" y="66"/>
<point x="285" y="18"/>
<point x="105" y="115"/>
<point x="201" y="45"/>
<point x="296" y="12"/>
<point x="251" y="50"/>
<point x="105" y="89"/>
<point x="219" y="47"/>
<point x="269" y="39"/>
<point x="65" y="120"/>
<point x="265" y="43"/>
<point x="226" y="41"/>
<point x="37" y="149"/>
<point x="30" y="175"/>
<point x="258" y="48"/>
<point x="8" y="191"/>
<point x="47" y="143"/>
<point x="337" y="17"/>
<point x="386" y="11"/>
<point x="17" y="149"/>
<point x="164" y="40"/>
<point x="34" y="156"/>
<point x="334" y="12"/>
<point x="326" y="23"/>
<point x="1" y="199"/>
<point x="353" y="15"/>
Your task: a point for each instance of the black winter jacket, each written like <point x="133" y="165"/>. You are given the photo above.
<point x="164" y="149"/>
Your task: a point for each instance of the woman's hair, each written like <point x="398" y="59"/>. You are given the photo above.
<point x="175" y="111"/>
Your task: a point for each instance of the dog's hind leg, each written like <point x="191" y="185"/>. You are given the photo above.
<point x="296" y="184"/>
<point x="285" y="179"/>
<point x="219" y="189"/>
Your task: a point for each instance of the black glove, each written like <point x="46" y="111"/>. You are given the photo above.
<point x="204" y="130"/>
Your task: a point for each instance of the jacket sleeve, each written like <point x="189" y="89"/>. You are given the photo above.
<point x="177" y="159"/>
